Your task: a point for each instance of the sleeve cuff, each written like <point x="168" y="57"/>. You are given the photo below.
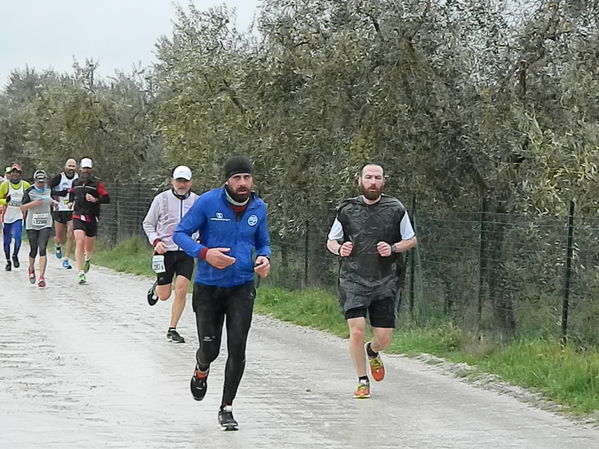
<point x="203" y="253"/>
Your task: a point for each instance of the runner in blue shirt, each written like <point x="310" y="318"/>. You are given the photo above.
<point x="233" y="230"/>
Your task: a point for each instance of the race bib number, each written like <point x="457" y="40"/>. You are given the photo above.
<point x="40" y="219"/>
<point x="158" y="264"/>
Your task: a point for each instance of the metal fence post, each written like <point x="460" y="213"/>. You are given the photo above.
<point x="411" y="261"/>
<point x="306" y="253"/>
<point x="482" y="263"/>
<point x="568" y="275"/>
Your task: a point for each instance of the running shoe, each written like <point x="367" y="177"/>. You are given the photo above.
<point x="363" y="390"/>
<point x="41" y="283"/>
<point x="81" y="278"/>
<point x="15" y="261"/>
<point x="225" y="418"/>
<point x="174" y="336"/>
<point x="31" y="273"/>
<point x="8" y="266"/>
<point x="377" y="369"/>
<point x="86" y="266"/>
<point x="199" y="384"/>
<point x="66" y="264"/>
<point x="152" y="298"/>
<point x="58" y="252"/>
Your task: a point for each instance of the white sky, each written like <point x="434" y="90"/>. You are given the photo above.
<point x="118" y="34"/>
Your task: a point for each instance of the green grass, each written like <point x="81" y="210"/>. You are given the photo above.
<point x="562" y="374"/>
<point x="314" y="308"/>
<point x="131" y="256"/>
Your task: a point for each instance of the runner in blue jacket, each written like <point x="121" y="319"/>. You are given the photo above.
<point x="233" y="229"/>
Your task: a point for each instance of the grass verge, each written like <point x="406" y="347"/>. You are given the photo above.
<point x="131" y="256"/>
<point x="561" y="374"/>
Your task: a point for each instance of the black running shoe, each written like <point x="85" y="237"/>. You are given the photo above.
<point x="15" y="261"/>
<point x="199" y="384"/>
<point x="8" y="266"/>
<point x="174" y="336"/>
<point x="225" y="418"/>
<point x="152" y="298"/>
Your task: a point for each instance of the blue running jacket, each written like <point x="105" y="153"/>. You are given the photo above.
<point x="219" y="227"/>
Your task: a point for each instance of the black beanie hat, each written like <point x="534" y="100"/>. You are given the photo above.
<point x="237" y="164"/>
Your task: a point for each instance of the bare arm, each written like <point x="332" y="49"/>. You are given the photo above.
<point x="405" y="245"/>
<point x="338" y="249"/>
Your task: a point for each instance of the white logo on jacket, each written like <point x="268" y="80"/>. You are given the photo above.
<point x="219" y="217"/>
<point x="252" y="220"/>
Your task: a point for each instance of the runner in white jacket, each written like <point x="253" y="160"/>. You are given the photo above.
<point x="166" y="211"/>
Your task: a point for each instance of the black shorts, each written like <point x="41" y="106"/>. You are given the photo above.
<point x="381" y="312"/>
<point x="90" y="227"/>
<point x="176" y="263"/>
<point x="62" y="216"/>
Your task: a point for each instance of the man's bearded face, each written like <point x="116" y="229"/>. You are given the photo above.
<point x="372" y="182"/>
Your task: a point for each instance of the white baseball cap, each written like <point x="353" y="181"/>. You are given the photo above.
<point x="86" y="163"/>
<point x="182" y="172"/>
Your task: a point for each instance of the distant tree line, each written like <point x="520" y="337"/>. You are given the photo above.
<point x="458" y="100"/>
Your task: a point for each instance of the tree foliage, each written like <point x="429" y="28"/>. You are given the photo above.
<point x="458" y="100"/>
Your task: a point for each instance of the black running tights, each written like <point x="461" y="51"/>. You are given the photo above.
<point x="212" y="305"/>
<point x="38" y="241"/>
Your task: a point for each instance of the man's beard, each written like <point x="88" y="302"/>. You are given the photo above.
<point x="69" y="173"/>
<point x="238" y="197"/>
<point x="371" y="195"/>
<point x="181" y="193"/>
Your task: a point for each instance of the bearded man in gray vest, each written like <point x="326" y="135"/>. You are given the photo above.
<point x="368" y="234"/>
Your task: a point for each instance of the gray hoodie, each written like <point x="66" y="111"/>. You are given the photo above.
<point x="166" y="211"/>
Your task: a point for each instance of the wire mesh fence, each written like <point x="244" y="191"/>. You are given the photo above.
<point x="486" y="272"/>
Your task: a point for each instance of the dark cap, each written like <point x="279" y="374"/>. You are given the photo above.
<point x="236" y="165"/>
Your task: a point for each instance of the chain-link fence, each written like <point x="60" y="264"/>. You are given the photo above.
<point x="485" y="272"/>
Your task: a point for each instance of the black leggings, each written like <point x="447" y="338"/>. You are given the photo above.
<point x="211" y="305"/>
<point x="38" y="239"/>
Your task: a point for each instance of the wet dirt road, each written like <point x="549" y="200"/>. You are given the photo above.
<point x="89" y="367"/>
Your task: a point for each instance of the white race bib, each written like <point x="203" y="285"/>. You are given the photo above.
<point x="40" y="219"/>
<point x="158" y="263"/>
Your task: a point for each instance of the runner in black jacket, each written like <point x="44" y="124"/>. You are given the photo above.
<point x="86" y="195"/>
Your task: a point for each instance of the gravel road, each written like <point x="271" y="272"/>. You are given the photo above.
<point x="90" y="367"/>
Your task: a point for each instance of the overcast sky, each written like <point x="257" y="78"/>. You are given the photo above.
<point x="116" y="33"/>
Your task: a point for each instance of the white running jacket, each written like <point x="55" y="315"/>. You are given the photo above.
<point x="165" y="213"/>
